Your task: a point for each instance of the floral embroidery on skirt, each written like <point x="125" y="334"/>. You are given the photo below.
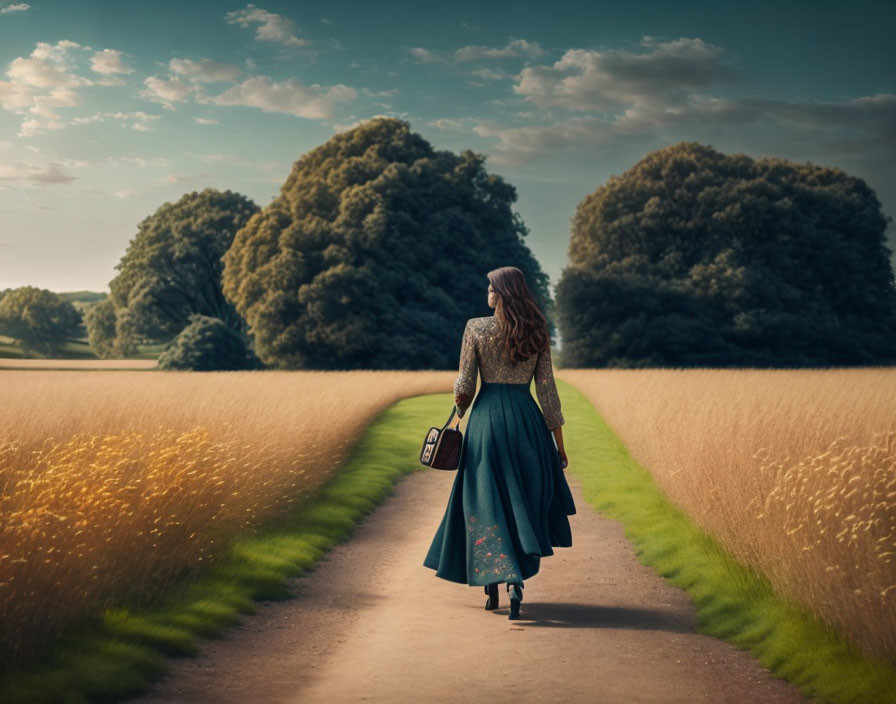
<point x="489" y="557"/>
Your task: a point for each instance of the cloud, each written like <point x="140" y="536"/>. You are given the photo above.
<point x="167" y="92"/>
<point x="490" y="74"/>
<point x="30" y="128"/>
<point x="48" y="67"/>
<point x="15" y="7"/>
<point x="514" y="48"/>
<point x="137" y="120"/>
<point x="205" y="121"/>
<point x="156" y="161"/>
<point x="108" y="61"/>
<point x="445" y="123"/>
<point x="517" y="144"/>
<point x="380" y="93"/>
<point x="188" y="75"/>
<point x="289" y="96"/>
<point x="45" y="80"/>
<point x="204" y="71"/>
<point x="49" y="175"/>
<point x="424" y="56"/>
<point x="590" y="80"/>
<point x="868" y="121"/>
<point x="627" y="93"/>
<point x="271" y="27"/>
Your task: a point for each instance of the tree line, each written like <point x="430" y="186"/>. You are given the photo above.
<point x="374" y="255"/>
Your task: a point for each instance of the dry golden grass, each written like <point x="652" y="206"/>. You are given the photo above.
<point x="794" y="471"/>
<point x="113" y="485"/>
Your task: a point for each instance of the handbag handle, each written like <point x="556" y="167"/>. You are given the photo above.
<point x="448" y="422"/>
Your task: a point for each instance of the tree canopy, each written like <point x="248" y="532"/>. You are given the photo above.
<point x="41" y="321"/>
<point x="208" y="344"/>
<point x="693" y="257"/>
<point x="102" y="334"/>
<point x="172" y="267"/>
<point x="375" y="253"/>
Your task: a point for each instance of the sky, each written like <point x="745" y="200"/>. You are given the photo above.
<point x="109" y="109"/>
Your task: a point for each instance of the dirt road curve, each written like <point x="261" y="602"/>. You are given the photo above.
<point x="372" y="624"/>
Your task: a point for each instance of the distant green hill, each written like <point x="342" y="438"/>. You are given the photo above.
<point x="84" y="296"/>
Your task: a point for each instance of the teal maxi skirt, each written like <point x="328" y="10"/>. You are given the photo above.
<point x="509" y="503"/>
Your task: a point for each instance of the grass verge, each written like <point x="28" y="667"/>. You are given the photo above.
<point x="120" y="656"/>
<point x="733" y="602"/>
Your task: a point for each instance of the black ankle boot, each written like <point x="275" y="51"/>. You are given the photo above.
<point x="492" y="591"/>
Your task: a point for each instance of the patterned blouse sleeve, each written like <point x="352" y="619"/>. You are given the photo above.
<point x="465" y="386"/>
<point x="546" y="390"/>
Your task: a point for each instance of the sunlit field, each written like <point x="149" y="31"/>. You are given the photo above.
<point x="794" y="471"/>
<point x="115" y="485"/>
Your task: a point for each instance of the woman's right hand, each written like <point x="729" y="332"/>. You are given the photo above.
<point x="564" y="462"/>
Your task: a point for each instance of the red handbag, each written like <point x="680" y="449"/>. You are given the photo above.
<point x="441" y="448"/>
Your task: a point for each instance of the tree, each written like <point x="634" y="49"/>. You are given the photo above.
<point x="103" y="334"/>
<point x="692" y="257"/>
<point x="172" y="267"/>
<point x="375" y="253"/>
<point x="208" y="344"/>
<point x="41" y="320"/>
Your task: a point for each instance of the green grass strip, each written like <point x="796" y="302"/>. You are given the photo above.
<point x="733" y="602"/>
<point x="122" y="655"/>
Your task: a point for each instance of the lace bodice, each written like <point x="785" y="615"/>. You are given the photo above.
<point x="482" y="352"/>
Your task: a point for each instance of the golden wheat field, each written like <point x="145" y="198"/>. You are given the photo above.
<point x="794" y="471"/>
<point x="113" y="485"/>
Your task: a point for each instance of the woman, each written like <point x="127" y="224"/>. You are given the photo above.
<point x="510" y="501"/>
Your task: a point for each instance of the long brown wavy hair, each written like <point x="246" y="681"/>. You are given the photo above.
<point x="518" y="317"/>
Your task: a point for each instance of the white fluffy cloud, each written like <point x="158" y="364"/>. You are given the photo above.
<point x="166" y="92"/>
<point x="289" y="96"/>
<point x="15" y="7"/>
<point x="270" y="27"/>
<point x="108" y="61"/>
<point x="48" y="67"/>
<point x="46" y="80"/>
<point x="39" y="83"/>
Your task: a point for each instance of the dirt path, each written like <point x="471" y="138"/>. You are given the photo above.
<point x="372" y="624"/>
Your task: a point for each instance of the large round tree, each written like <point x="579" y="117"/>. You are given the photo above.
<point x="693" y="257"/>
<point x="375" y="253"/>
<point x="172" y="267"/>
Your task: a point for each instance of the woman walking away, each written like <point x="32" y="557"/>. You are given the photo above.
<point x="510" y="501"/>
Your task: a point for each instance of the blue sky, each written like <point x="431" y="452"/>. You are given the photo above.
<point x="110" y="109"/>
